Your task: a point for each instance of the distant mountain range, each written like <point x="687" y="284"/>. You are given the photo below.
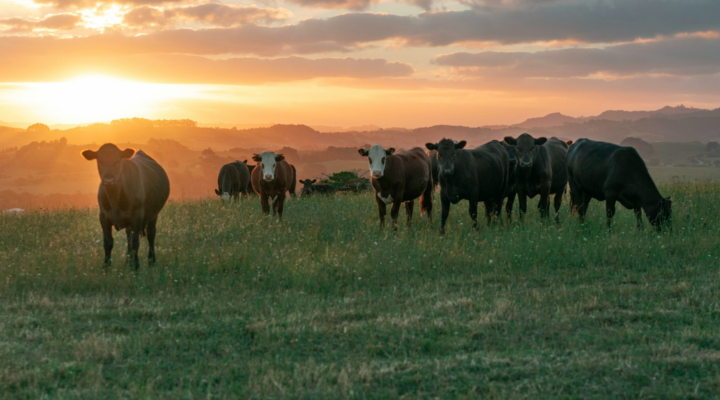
<point x="668" y="124"/>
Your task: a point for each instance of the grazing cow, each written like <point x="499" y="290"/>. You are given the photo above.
<point x="541" y="168"/>
<point x="232" y="180"/>
<point x="480" y="174"/>
<point x="511" y="190"/>
<point x="270" y="180"/>
<point x="606" y="171"/>
<point x="400" y="178"/>
<point x="310" y="188"/>
<point x="133" y="190"/>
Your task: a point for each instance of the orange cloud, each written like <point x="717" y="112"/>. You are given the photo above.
<point x="65" y="21"/>
<point x="212" y="13"/>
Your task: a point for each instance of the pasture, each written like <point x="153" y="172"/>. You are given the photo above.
<point x="325" y="305"/>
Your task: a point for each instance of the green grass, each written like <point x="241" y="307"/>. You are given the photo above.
<point x="325" y="305"/>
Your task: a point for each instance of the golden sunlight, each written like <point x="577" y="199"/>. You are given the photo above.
<point x="94" y="98"/>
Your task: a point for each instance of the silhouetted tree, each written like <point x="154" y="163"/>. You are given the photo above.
<point x="38" y="127"/>
<point x="713" y="148"/>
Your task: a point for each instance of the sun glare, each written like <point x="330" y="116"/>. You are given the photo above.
<point x="96" y="98"/>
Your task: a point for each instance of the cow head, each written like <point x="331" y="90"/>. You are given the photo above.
<point x="268" y="162"/>
<point x="109" y="162"/>
<point x="525" y="149"/>
<point x="446" y="154"/>
<point x="377" y="158"/>
<point x="307" y="187"/>
<point x="661" y="214"/>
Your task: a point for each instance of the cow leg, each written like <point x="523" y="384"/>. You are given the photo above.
<point x="382" y="210"/>
<point x="489" y="211"/>
<point x="265" y="204"/>
<point x="610" y="210"/>
<point x="275" y="204"/>
<point x="472" y="209"/>
<point x="394" y="212"/>
<point x="638" y="216"/>
<point x="509" y="205"/>
<point x="280" y="204"/>
<point x="544" y="203"/>
<point x="445" y="202"/>
<point x="558" y="203"/>
<point x="522" y="203"/>
<point x="582" y="208"/>
<point x="108" y="240"/>
<point x="409" y="205"/>
<point x="150" y="230"/>
<point x="133" y="239"/>
<point x="426" y="201"/>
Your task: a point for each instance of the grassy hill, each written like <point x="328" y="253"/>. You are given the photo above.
<point x="326" y="306"/>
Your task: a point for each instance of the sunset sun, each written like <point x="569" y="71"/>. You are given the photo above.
<point x="92" y="98"/>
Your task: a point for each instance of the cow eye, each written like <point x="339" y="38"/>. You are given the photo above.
<point x="383" y="160"/>
<point x="370" y="160"/>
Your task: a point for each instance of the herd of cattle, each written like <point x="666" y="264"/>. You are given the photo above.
<point x="134" y="187"/>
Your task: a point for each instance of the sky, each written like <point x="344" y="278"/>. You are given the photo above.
<point x="344" y="63"/>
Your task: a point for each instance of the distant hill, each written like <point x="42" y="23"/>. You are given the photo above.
<point x="554" y="119"/>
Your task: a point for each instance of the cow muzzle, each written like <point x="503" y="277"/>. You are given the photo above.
<point x="447" y="171"/>
<point x="268" y="177"/>
<point x="525" y="164"/>
<point x="377" y="174"/>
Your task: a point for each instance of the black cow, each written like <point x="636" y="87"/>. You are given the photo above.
<point x="435" y="167"/>
<point x="480" y="174"/>
<point x="131" y="194"/>
<point x="606" y="171"/>
<point x="310" y="188"/>
<point x="541" y="168"/>
<point x="511" y="190"/>
<point x="233" y="179"/>
<point x="251" y="167"/>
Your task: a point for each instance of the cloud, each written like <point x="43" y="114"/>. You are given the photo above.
<point x="685" y="56"/>
<point x="354" y="4"/>
<point x="170" y="68"/>
<point x="212" y="13"/>
<point x="93" y="3"/>
<point x="53" y="22"/>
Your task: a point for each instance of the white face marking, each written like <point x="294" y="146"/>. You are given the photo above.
<point x="225" y="197"/>
<point x="268" y="165"/>
<point x="386" y="200"/>
<point x="376" y="159"/>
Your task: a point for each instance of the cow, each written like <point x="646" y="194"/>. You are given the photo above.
<point x="293" y="183"/>
<point x="435" y="167"/>
<point x="271" y="178"/>
<point x="400" y="178"/>
<point x="250" y="191"/>
<point x="310" y="188"/>
<point x="606" y="171"/>
<point x="480" y="174"/>
<point x="133" y="189"/>
<point x="510" y="190"/>
<point x="232" y="181"/>
<point x="541" y="169"/>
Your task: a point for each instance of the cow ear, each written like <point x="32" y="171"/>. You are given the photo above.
<point x="245" y="161"/>
<point x="460" y="145"/>
<point x="217" y="192"/>
<point x="569" y="142"/>
<point x="390" y="151"/>
<point x="89" y="155"/>
<point x="509" y="140"/>
<point x="363" y="152"/>
<point x="431" y="146"/>
<point x="257" y="158"/>
<point x="127" y="153"/>
<point x="313" y="181"/>
<point x="279" y="157"/>
<point x="540" y="141"/>
<point x="669" y="198"/>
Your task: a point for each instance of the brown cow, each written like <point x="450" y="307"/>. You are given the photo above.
<point x="400" y="179"/>
<point x="271" y="179"/>
<point x="132" y="192"/>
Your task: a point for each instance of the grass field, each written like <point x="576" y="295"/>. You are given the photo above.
<point x="326" y="306"/>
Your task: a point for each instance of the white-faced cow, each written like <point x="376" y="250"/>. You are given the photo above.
<point x="400" y="178"/>
<point x="133" y="190"/>
<point x="541" y="169"/>
<point x="606" y="171"/>
<point x="480" y="174"/>
<point x="233" y="180"/>
<point x="271" y="179"/>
